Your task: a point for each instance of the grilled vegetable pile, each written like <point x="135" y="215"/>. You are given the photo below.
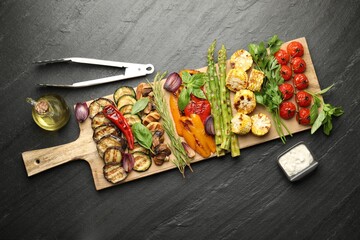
<point x="127" y="132"/>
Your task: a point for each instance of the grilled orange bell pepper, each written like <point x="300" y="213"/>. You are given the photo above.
<point x="196" y="137"/>
<point x="190" y="71"/>
<point x="176" y="114"/>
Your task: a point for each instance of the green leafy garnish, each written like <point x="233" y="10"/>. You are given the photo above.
<point x="140" y="105"/>
<point x="192" y="85"/>
<point x="324" y="117"/>
<point x="142" y="134"/>
<point x="270" y="96"/>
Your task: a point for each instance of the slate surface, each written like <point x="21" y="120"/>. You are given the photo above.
<point x="245" y="198"/>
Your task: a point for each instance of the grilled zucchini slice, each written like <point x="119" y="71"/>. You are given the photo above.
<point x="139" y="148"/>
<point x="114" y="173"/>
<point x="98" y="105"/>
<point x="110" y="141"/>
<point x="98" y="120"/>
<point x="126" y="109"/>
<point x="125" y="100"/>
<point x="113" y="155"/>
<point x="121" y="91"/>
<point x="261" y="124"/>
<point x="105" y="130"/>
<point x="142" y="162"/>
<point x="132" y="118"/>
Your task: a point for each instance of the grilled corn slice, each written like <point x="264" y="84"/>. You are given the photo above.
<point x="261" y="124"/>
<point x="236" y="79"/>
<point x="255" y="80"/>
<point x="241" y="59"/>
<point x="241" y="124"/>
<point x="244" y="101"/>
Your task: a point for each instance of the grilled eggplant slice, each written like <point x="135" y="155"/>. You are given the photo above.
<point x="105" y="130"/>
<point x="99" y="120"/>
<point x="98" y="105"/>
<point x="142" y="162"/>
<point x="121" y="91"/>
<point x="114" y="173"/>
<point x="110" y="141"/>
<point x="113" y="155"/>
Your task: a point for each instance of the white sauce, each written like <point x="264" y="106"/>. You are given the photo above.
<point x="296" y="160"/>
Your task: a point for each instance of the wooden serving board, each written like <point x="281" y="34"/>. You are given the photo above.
<point x="84" y="148"/>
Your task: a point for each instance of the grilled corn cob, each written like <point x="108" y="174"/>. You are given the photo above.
<point x="255" y="80"/>
<point x="244" y="101"/>
<point x="241" y="124"/>
<point x="236" y="79"/>
<point x="241" y="59"/>
<point x="260" y="124"/>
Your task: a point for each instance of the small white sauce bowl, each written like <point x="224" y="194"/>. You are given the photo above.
<point x="297" y="162"/>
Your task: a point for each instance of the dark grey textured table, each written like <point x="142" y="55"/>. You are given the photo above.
<point x="244" y="198"/>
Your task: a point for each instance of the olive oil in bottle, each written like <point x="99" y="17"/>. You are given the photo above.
<point x="50" y="112"/>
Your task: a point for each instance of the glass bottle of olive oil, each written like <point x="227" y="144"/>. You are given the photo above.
<point x="50" y="112"/>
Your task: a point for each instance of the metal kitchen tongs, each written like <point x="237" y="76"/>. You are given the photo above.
<point x="132" y="70"/>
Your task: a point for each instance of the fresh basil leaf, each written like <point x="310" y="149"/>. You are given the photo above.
<point x="324" y="90"/>
<point x="142" y="134"/>
<point x="197" y="92"/>
<point x="186" y="77"/>
<point x="140" y="105"/>
<point x="198" y="80"/>
<point x="318" y="122"/>
<point x="313" y="113"/>
<point x="338" y="111"/>
<point x="184" y="99"/>
<point x="327" y="125"/>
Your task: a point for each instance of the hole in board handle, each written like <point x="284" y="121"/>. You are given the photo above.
<point x="37" y="161"/>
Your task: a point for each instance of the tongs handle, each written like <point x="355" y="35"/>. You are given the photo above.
<point x="132" y="70"/>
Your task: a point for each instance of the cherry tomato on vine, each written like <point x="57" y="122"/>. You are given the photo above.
<point x="282" y="57"/>
<point x="295" y="49"/>
<point x="298" y="65"/>
<point x="286" y="72"/>
<point x="287" y="90"/>
<point x="287" y="110"/>
<point x="301" y="81"/>
<point x="303" y="99"/>
<point x="303" y="116"/>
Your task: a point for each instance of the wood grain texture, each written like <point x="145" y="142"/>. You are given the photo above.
<point x="245" y="198"/>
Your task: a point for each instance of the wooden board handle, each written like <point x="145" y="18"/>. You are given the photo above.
<point x="43" y="159"/>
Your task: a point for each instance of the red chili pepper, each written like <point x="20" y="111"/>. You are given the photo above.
<point x="118" y="119"/>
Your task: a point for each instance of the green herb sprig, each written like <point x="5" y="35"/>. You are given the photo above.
<point x="181" y="159"/>
<point x="324" y="116"/>
<point x="270" y="96"/>
<point x="192" y="85"/>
